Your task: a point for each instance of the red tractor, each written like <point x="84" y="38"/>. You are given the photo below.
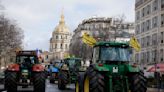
<point x="25" y="71"/>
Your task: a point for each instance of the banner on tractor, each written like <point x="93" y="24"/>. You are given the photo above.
<point x="89" y="40"/>
<point x="135" y="44"/>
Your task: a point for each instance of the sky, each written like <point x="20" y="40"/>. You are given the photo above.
<point x="38" y="18"/>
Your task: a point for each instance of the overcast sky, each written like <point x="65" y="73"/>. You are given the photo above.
<point x="38" y="18"/>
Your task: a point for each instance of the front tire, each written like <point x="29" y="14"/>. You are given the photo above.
<point x="39" y="82"/>
<point x="11" y="81"/>
<point x="138" y="83"/>
<point x="94" y="81"/>
<point x="62" y="80"/>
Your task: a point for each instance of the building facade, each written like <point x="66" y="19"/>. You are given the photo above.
<point x="149" y="31"/>
<point x="101" y="29"/>
<point x="60" y="41"/>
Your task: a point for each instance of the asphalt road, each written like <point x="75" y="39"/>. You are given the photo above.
<point x="49" y="88"/>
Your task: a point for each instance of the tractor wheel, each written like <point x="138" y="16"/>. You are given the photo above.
<point x="11" y="81"/>
<point x="138" y="83"/>
<point x="62" y="80"/>
<point x="77" y="87"/>
<point x="51" y="81"/>
<point x="61" y="84"/>
<point x="79" y="82"/>
<point x="94" y="81"/>
<point x="39" y="82"/>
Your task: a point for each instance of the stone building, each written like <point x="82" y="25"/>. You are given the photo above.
<point x="60" y="41"/>
<point x="102" y="29"/>
<point x="149" y="30"/>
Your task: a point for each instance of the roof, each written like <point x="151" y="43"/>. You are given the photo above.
<point x="73" y="58"/>
<point x="111" y="43"/>
<point x="27" y="52"/>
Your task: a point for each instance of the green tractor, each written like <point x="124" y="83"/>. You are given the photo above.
<point x="68" y="72"/>
<point x="111" y="71"/>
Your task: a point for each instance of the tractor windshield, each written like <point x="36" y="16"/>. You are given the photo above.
<point x="28" y="59"/>
<point x="114" y="54"/>
<point x="74" y="63"/>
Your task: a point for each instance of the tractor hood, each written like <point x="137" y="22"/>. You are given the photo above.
<point x="121" y="69"/>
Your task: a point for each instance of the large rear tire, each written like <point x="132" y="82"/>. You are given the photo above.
<point x="94" y="81"/>
<point x="62" y="80"/>
<point x="138" y="83"/>
<point x="11" y="81"/>
<point x="39" y="82"/>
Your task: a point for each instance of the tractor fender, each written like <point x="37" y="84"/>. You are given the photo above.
<point x="13" y="67"/>
<point x="38" y="68"/>
<point x="131" y="68"/>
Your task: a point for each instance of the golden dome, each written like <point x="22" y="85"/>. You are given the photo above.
<point x="61" y="27"/>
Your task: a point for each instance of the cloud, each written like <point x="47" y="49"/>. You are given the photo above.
<point x="38" y="18"/>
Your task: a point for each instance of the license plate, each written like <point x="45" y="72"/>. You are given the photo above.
<point x="24" y="73"/>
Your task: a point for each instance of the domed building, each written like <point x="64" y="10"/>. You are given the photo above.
<point x="60" y="41"/>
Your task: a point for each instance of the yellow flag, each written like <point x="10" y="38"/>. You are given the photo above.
<point x="87" y="39"/>
<point x="135" y="44"/>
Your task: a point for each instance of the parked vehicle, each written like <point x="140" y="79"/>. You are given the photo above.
<point x="110" y="70"/>
<point x="54" y="70"/>
<point x="69" y="72"/>
<point x="24" y="72"/>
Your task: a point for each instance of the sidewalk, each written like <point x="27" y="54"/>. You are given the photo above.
<point x="154" y="90"/>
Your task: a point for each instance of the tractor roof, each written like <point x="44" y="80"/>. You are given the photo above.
<point x="72" y="58"/>
<point x="27" y="52"/>
<point x="111" y="43"/>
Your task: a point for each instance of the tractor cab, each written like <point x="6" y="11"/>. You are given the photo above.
<point x="111" y="53"/>
<point x="73" y="63"/>
<point x="26" y="60"/>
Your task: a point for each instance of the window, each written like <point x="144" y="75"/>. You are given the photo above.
<point x="61" y="46"/>
<point x="138" y="15"/>
<point x="155" y="5"/>
<point x="55" y="46"/>
<point x="142" y="27"/>
<point x="137" y="29"/>
<point x="148" y="9"/>
<point x="154" y="21"/>
<point x="154" y="39"/>
<point x="162" y="19"/>
<point x="154" y="55"/>
<point x="148" y="25"/>
<point x="142" y="42"/>
<point x="162" y="4"/>
<point x="161" y="55"/>
<point x="66" y="46"/>
<point x="148" y="41"/>
<point x="143" y="12"/>
<point x="57" y="37"/>
<point x="161" y="37"/>
<point x="148" y="56"/>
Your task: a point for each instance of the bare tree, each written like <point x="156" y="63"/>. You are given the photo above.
<point x="11" y="36"/>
